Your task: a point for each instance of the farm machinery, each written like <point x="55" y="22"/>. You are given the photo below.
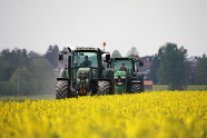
<point x="90" y="71"/>
<point x="83" y="72"/>
<point x="126" y="77"/>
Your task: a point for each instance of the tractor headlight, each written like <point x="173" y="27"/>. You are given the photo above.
<point x="115" y="77"/>
<point x="120" y="83"/>
<point x="123" y="77"/>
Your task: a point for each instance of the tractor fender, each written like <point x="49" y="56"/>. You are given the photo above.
<point x="110" y="74"/>
<point x="63" y="73"/>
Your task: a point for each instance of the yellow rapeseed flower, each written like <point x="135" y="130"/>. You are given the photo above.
<point x="149" y="114"/>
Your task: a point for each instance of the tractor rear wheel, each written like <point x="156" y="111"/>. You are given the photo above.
<point x="103" y="87"/>
<point x="61" y="90"/>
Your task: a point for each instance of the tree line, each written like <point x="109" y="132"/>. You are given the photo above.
<point x="29" y="73"/>
<point x="171" y="67"/>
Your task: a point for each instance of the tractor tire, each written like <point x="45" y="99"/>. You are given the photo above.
<point x="61" y="90"/>
<point x="136" y="86"/>
<point x="103" y="88"/>
<point x="142" y="84"/>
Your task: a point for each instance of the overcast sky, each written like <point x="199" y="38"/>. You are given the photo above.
<point x="145" y="24"/>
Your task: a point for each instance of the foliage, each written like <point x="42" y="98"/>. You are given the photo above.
<point x="4" y="70"/>
<point x="7" y="88"/>
<point x="22" y="78"/>
<point x="155" y="114"/>
<point x="52" y="54"/>
<point x="190" y="77"/>
<point x="25" y="74"/>
<point x="43" y="75"/>
<point x="172" y="68"/>
<point x="131" y="52"/>
<point x="200" y="72"/>
<point x="189" y="87"/>
<point x="154" y="69"/>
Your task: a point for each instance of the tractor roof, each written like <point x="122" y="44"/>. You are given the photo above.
<point x="87" y="49"/>
<point x="125" y="58"/>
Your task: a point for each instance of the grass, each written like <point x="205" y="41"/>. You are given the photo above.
<point x="51" y="97"/>
<point x="23" y="98"/>
<point x="189" y="87"/>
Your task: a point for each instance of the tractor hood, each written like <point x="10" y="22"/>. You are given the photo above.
<point x="120" y="74"/>
<point x="120" y="78"/>
<point x="83" y="73"/>
<point x="83" y="80"/>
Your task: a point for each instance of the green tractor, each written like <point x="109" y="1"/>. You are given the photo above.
<point x="126" y="77"/>
<point x="83" y="73"/>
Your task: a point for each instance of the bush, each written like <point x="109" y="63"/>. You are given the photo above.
<point x="8" y="88"/>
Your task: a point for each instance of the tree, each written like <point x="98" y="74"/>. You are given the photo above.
<point x="26" y="73"/>
<point x="131" y="52"/>
<point x="4" y="70"/>
<point x="33" y="55"/>
<point x="154" y="69"/>
<point x="7" y="88"/>
<point x="52" y="55"/>
<point x="200" y="71"/>
<point x="11" y="60"/>
<point x="23" y="80"/>
<point x="172" y="68"/>
<point x="43" y="75"/>
<point x="116" y="54"/>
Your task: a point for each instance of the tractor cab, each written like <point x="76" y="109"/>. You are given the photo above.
<point x="122" y="64"/>
<point x="85" y="61"/>
<point x="129" y="65"/>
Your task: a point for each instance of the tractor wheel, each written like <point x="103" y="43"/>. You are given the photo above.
<point x="61" y="90"/>
<point x="103" y="87"/>
<point x="142" y="85"/>
<point x="136" y="86"/>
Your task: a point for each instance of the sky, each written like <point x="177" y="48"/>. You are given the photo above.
<point x="144" y="24"/>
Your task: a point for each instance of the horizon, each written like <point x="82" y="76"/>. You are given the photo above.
<point x="41" y="54"/>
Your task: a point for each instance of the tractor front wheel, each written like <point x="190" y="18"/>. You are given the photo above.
<point x="103" y="87"/>
<point x="136" y="86"/>
<point x="61" y="90"/>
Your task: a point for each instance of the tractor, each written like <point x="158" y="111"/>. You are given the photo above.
<point x="83" y="72"/>
<point x="126" y="77"/>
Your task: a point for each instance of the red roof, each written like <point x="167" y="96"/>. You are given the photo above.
<point x="148" y="82"/>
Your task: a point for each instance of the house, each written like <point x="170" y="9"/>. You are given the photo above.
<point x="190" y="74"/>
<point x="148" y="84"/>
<point x="145" y="69"/>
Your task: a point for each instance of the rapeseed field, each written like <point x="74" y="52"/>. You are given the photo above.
<point x="150" y="114"/>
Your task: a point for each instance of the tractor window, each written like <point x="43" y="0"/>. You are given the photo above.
<point x="118" y="65"/>
<point x="85" y="59"/>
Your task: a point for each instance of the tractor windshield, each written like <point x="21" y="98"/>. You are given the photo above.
<point x="122" y="65"/>
<point x="85" y="59"/>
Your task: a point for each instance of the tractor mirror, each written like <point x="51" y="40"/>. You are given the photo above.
<point x="60" y="56"/>
<point x="108" y="57"/>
